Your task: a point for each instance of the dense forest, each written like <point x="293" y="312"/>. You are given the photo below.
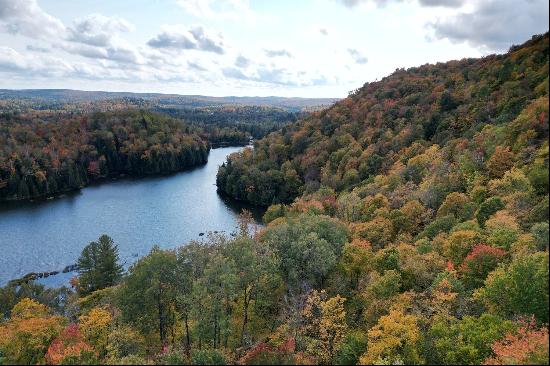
<point x="46" y="154"/>
<point x="446" y="127"/>
<point x="222" y="121"/>
<point x="254" y="121"/>
<point x="407" y="224"/>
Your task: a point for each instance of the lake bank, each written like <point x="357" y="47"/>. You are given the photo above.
<point x="137" y="213"/>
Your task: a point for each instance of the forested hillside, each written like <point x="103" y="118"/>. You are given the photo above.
<point x="422" y="132"/>
<point x="223" y="121"/>
<point x="408" y="224"/>
<point x="45" y="154"/>
<point x="255" y="121"/>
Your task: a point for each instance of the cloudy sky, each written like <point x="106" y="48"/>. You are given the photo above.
<point x="308" y="48"/>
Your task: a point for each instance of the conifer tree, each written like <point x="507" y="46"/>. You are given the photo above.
<point x="98" y="266"/>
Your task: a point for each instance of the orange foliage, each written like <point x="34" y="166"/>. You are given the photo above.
<point x="527" y="346"/>
<point x="69" y="344"/>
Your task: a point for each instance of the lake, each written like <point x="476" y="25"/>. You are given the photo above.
<point x="136" y="213"/>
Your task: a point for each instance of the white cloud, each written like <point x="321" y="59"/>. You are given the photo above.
<point x="494" y="25"/>
<point x="22" y="65"/>
<point x="277" y="53"/>
<point x="25" y="17"/>
<point x="275" y="75"/>
<point x="98" y="30"/>
<point x="11" y="60"/>
<point x="443" y="3"/>
<point x="282" y="51"/>
<point x="33" y="48"/>
<point x="357" y="56"/>
<point x="178" y="38"/>
<point x="382" y="3"/>
<point x="242" y="62"/>
<point x="219" y="9"/>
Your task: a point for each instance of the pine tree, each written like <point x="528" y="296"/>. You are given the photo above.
<point x="98" y="266"/>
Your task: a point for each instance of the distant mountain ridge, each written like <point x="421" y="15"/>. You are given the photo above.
<point x="79" y="96"/>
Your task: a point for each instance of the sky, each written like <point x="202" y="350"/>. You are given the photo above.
<point x="305" y="48"/>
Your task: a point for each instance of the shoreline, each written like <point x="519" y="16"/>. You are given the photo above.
<point x="112" y="177"/>
<point x="59" y="274"/>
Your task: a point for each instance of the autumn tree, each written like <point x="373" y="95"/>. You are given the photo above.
<point x="479" y="263"/>
<point x="396" y="338"/>
<point x="94" y="326"/>
<point x="525" y="346"/>
<point x="28" y="333"/>
<point x="459" y="244"/>
<point x="69" y="348"/>
<point x="501" y="161"/>
<point x="356" y="261"/>
<point x="324" y="325"/>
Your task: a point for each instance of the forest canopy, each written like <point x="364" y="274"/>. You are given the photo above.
<point x="46" y="156"/>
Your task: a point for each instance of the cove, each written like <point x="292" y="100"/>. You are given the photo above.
<point x="137" y="213"/>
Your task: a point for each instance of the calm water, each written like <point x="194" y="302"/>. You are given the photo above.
<point x="168" y="211"/>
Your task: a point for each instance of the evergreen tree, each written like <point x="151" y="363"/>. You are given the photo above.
<point x="98" y="266"/>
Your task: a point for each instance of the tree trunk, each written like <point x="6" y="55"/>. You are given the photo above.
<point x="245" y="316"/>
<point x="187" y="335"/>
<point x="162" y="325"/>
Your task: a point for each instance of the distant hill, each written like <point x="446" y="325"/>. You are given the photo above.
<point x="67" y="96"/>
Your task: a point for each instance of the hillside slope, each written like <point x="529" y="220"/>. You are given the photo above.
<point x="422" y="132"/>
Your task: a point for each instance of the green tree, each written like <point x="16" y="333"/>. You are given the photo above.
<point x="147" y="297"/>
<point x="98" y="266"/>
<point x="466" y="341"/>
<point x="520" y="288"/>
<point x="458" y="205"/>
<point x="214" y="293"/>
<point x="256" y="267"/>
<point x="488" y="208"/>
<point x="308" y="248"/>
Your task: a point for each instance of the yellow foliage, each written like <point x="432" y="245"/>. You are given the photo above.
<point x="27" y="308"/>
<point x="395" y="339"/>
<point x="325" y="325"/>
<point x="502" y="219"/>
<point x="26" y="336"/>
<point x="95" y="328"/>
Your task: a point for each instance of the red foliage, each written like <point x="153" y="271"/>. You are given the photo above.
<point x="289" y="346"/>
<point x="93" y="167"/>
<point x="527" y="346"/>
<point x="450" y="266"/>
<point x="264" y="353"/>
<point x="69" y="343"/>
<point x="483" y="250"/>
<point x="479" y="262"/>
